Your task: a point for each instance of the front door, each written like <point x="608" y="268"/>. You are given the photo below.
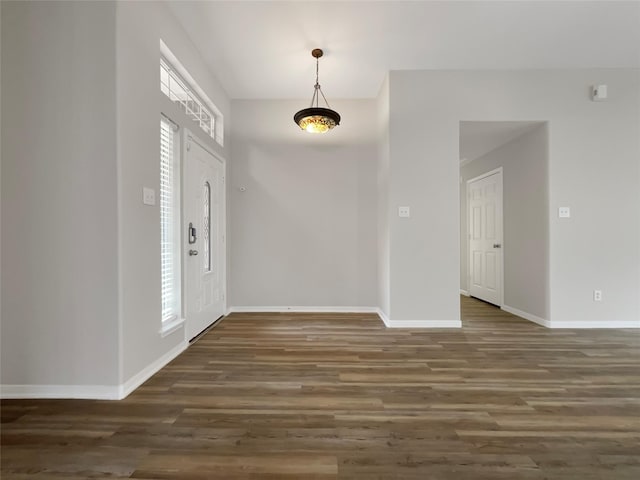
<point x="204" y="229"/>
<point x="485" y="237"/>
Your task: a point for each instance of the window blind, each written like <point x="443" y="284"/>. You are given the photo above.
<point x="167" y="219"/>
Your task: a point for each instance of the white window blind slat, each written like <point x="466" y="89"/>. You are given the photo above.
<point x="168" y="246"/>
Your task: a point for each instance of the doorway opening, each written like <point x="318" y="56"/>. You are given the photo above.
<point x="504" y="216"/>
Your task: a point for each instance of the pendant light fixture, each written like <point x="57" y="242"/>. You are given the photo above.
<point x="317" y="119"/>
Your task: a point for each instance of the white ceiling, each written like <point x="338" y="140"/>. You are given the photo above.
<point x="262" y="49"/>
<point x="479" y="138"/>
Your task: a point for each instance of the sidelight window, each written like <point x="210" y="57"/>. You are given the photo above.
<point x="169" y="222"/>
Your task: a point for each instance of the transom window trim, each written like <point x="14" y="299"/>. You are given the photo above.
<point x="205" y="115"/>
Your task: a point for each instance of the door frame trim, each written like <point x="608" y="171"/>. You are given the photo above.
<point x="467" y="223"/>
<point x="189" y="135"/>
<point x="485" y="175"/>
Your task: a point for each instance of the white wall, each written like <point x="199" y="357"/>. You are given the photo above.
<point x="59" y="190"/>
<point x="423" y="175"/>
<point x="0" y="188"/>
<point x="140" y="26"/>
<point x="526" y="219"/>
<point x="304" y="233"/>
<point x="80" y="138"/>
<point x="383" y="200"/>
<point x="80" y="271"/>
<point x="593" y="168"/>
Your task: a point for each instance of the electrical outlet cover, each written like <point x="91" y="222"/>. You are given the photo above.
<point x="404" y="212"/>
<point x="148" y="196"/>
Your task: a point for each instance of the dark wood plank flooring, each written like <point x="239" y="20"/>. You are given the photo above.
<point x="325" y="396"/>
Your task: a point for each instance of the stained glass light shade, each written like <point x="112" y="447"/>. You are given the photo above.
<point x="317" y="119"/>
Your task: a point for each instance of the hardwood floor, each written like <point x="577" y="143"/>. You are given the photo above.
<point x="325" y="396"/>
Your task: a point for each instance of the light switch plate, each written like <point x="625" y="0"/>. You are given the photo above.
<point x="564" y="212"/>
<point x="404" y="212"/>
<point x="148" y="196"/>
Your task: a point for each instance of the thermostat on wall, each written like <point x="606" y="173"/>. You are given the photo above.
<point x="599" y="93"/>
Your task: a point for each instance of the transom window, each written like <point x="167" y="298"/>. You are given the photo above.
<point x="174" y="86"/>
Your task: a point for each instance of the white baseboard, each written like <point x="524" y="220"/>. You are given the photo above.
<point x="383" y="317"/>
<point x="527" y="316"/>
<point x="564" y="324"/>
<point x="597" y="324"/>
<point x="389" y="323"/>
<point x="418" y="323"/>
<point x="464" y="292"/>
<point x="143" y="375"/>
<point x="303" y="309"/>
<point x="84" y="392"/>
<point x="424" y="324"/>
<point x="92" y="392"/>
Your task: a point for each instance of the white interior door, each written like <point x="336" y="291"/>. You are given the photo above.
<point x="485" y="237"/>
<point x="205" y="246"/>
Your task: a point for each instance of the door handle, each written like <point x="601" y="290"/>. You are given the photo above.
<point x="192" y="235"/>
<point x="497" y="245"/>
<point x="193" y="252"/>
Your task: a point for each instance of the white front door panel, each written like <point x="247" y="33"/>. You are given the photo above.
<point x="204" y="230"/>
